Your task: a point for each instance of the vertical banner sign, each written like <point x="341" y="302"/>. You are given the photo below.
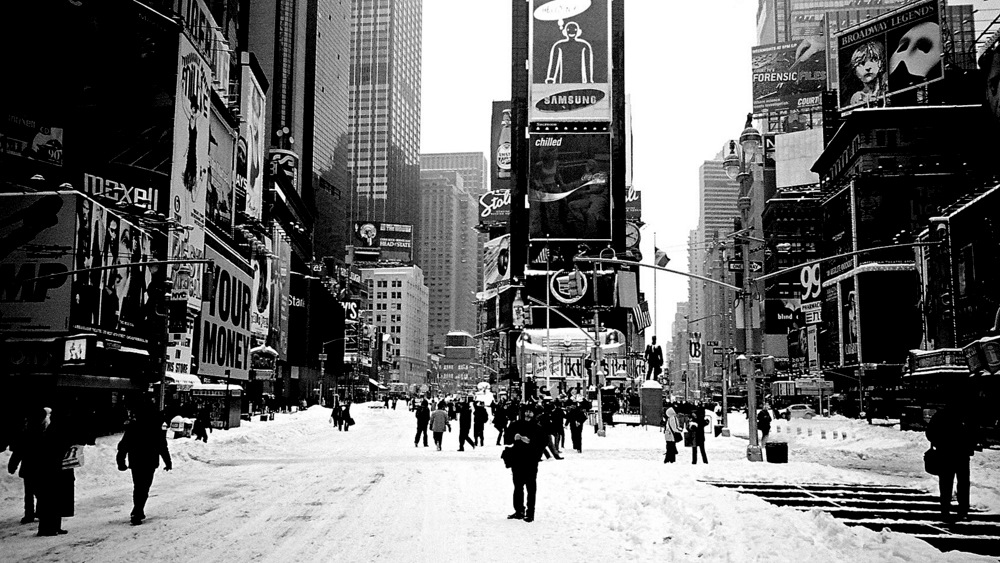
<point x="219" y="201"/>
<point x="812" y="348"/>
<point x="224" y="339"/>
<point x="849" y="321"/>
<point x="500" y="164"/>
<point x="570" y="59"/>
<point x="36" y="238"/>
<point x="280" y="278"/>
<point x="569" y="193"/>
<point x="260" y="312"/>
<point x="695" y="350"/>
<point x="890" y="54"/>
<point x="496" y="266"/>
<point x="250" y="152"/>
<point x="189" y="172"/>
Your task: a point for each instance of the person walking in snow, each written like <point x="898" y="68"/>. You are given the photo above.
<point x="25" y="453"/>
<point x="671" y="435"/>
<point x="697" y="428"/>
<point x="202" y="424"/>
<point x="423" y="419"/>
<point x="464" y="426"/>
<point x="142" y="446"/>
<point x="955" y="436"/>
<point x="439" y="422"/>
<point x="576" y="419"/>
<point x="527" y="440"/>
<point x="500" y="421"/>
<point x="557" y="426"/>
<point x="764" y="423"/>
<point x="479" y="418"/>
<point x="345" y="416"/>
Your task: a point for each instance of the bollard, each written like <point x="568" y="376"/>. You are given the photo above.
<point x="777" y="429"/>
<point x="822" y="434"/>
<point x="798" y="430"/>
<point x="844" y="435"/>
<point x="834" y="434"/>
<point x="809" y="431"/>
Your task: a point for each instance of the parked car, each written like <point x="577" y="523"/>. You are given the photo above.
<point x="798" y="411"/>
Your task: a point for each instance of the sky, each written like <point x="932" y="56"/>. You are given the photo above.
<point x="687" y="70"/>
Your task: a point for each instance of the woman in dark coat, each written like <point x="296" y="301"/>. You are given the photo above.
<point x="423" y="419"/>
<point x="697" y="428"/>
<point x="500" y="421"/>
<point x="54" y="484"/>
<point x="479" y="418"/>
<point x="464" y="426"/>
<point x="24" y="453"/>
<point x="576" y="418"/>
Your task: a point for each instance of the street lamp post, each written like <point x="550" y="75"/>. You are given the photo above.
<point x="738" y="165"/>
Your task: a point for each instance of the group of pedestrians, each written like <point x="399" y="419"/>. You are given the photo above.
<point x="41" y="456"/>
<point x="674" y="429"/>
<point x="340" y="415"/>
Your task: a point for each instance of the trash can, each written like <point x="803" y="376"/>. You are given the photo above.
<point x="777" y="452"/>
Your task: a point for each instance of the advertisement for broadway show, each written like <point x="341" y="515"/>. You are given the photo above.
<point x="893" y="53"/>
<point x="496" y="266"/>
<point x="569" y="193"/>
<point x="782" y="82"/>
<point x="570" y="52"/>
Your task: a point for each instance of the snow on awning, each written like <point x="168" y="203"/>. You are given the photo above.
<point x="376" y="383"/>
<point x="183" y="381"/>
<point x="216" y="389"/>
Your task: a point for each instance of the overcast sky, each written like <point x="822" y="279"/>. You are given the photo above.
<point x="687" y="69"/>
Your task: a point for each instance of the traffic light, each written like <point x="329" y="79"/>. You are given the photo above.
<point x="767" y="365"/>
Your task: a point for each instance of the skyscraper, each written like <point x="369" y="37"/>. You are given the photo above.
<point x="470" y="165"/>
<point x="399" y="309"/>
<point x="383" y="148"/>
<point x="448" y="251"/>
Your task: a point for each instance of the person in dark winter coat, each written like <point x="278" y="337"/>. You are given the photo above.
<point x="557" y="426"/>
<point x="500" y="421"/>
<point x="451" y="410"/>
<point x="576" y="419"/>
<point x="423" y="419"/>
<point x="345" y="417"/>
<point x="464" y="426"/>
<point x="439" y="421"/>
<point x="479" y="418"/>
<point x="54" y="485"/>
<point x="202" y="425"/>
<point x="142" y="446"/>
<point x="764" y="424"/>
<point x="527" y="439"/>
<point x="697" y="427"/>
<point x="24" y="453"/>
<point x="955" y="436"/>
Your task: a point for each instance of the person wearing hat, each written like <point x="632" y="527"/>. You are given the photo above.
<point x="527" y="440"/>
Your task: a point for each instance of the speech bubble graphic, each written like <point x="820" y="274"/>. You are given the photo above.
<point x="558" y="10"/>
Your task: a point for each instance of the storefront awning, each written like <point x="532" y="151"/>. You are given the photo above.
<point x="183" y="381"/>
<point x="216" y="389"/>
<point x="376" y="383"/>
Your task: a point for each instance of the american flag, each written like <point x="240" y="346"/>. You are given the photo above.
<point x="640" y="314"/>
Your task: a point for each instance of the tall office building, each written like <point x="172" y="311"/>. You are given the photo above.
<point x="448" y="251"/>
<point x="398" y="307"/>
<point x="325" y="146"/>
<point x="384" y="142"/>
<point x="794" y="20"/>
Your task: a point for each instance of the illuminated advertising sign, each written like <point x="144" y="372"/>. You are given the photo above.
<point x="224" y="340"/>
<point x="496" y="266"/>
<point x="219" y="200"/>
<point x="395" y="242"/>
<point x="500" y="148"/>
<point x="781" y="81"/>
<point x="250" y="149"/>
<point x="890" y="54"/>
<point x="36" y="239"/>
<point x="569" y="194"/>
<point x="366" y="241"/>
<point x="260" y="311"/>
<point x="570" y="55"/>
<point x="494" y="207"/>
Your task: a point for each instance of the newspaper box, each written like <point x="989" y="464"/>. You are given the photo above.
<point x="181" y="427"/>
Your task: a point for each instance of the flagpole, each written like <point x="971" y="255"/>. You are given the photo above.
<point x="655" y="310"/>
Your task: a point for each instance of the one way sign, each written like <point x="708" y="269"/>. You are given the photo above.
<point x="737" y="266"/>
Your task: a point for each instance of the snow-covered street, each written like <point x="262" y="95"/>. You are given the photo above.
<point x="296" y="489"/>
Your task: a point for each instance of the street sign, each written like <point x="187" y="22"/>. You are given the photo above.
<point x="737" y="266"/>
<point x="712" y="343"/>
<point x="717" y="351"/>
<point x="322" y="357"/>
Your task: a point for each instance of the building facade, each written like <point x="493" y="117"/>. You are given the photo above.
<point x="449" y="253"/>
<point x="384" y="130"/>
<point x="398" y="306"/>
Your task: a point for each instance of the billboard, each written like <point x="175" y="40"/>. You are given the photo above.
<point x="114" y="303"/>
<point x="219" y="200"/>
<point x="496" y="262"/>
<point x="250" y="149"/>
<point x="893" y="53"/>
<point x="782" y="82"/>
<point x="189" y="171"/>
<point x="36" y="238"/>
<point x="989" y="65"/>
<point x="396" y="242"/>
<point x="570" y="53"/>
<point x="366" y="241"/>
<point x="260" y="311"/>
<point x="494" y="207"/>
<point x="569" y="193"/>
<point x="224" y="339"/>
<point x="633" y="204"/>
<point x="500" y="164"/>
<point x="280" y="297"/>
<point x="31" y="139"/>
